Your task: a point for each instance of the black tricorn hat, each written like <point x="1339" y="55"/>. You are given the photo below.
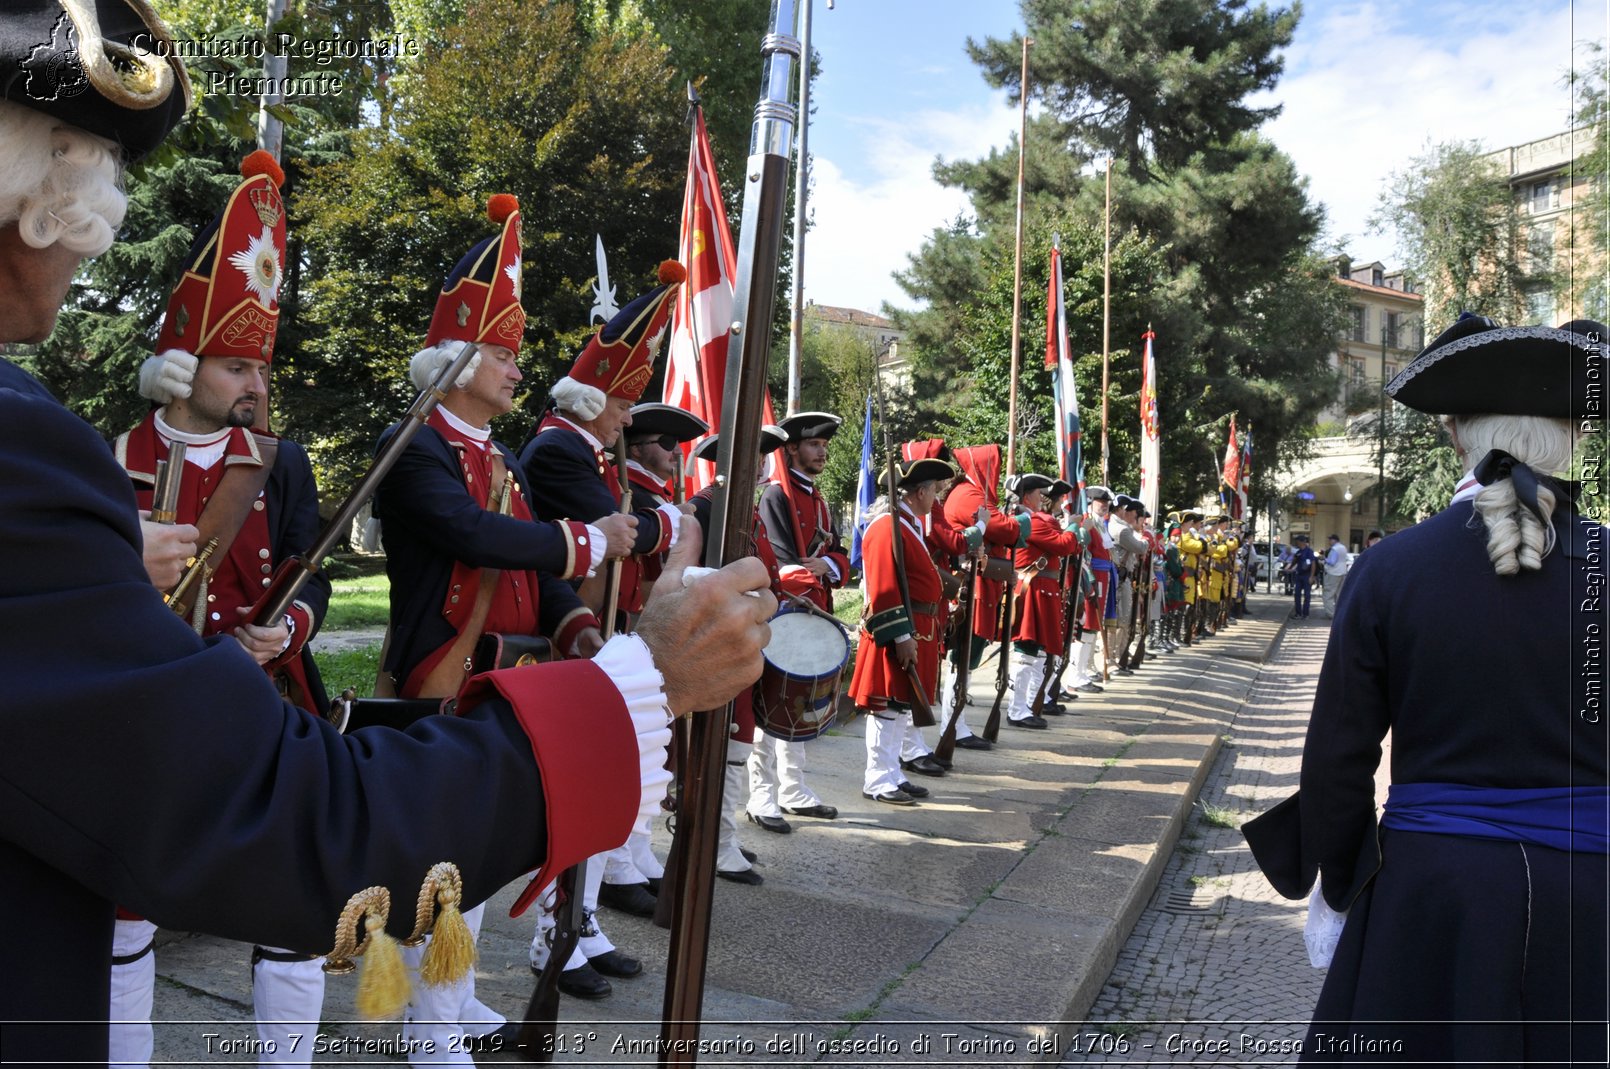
<point x="911" y="473"/>
<point x="1059" y="488"/>
<point x="1477" y="366"/>
<point x="113" y="73"/>
<point x="652" y="419"/>
<point x="805" y="425"/>
<point x="771" y="437"/>
<point x="1027" y="482"/>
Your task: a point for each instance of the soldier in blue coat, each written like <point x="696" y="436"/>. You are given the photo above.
<point x="1475" y="922"/>
<point x="142" y="764"/>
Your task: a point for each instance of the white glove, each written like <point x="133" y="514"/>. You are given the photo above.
<point x="428" y="363"/>
<point x="1323" y="930"/>
<point x="167" y="375"/>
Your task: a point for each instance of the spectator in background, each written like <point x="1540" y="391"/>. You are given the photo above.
<point x="1337" y="561"/>
<point x="1372" y="538"/>
<point x="1300" y="571"/>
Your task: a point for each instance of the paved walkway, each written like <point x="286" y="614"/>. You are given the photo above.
<point x="1216" y="971"/>
<point x="976" y="929"/>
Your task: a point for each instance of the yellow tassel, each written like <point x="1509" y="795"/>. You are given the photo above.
<point x="451" y="954"/>
<point x="382" y="980"/>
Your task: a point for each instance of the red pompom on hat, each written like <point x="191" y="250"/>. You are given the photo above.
<point x="619" y="360"/>
<point x="227" y="301"/>
<point x="480" y="301"/>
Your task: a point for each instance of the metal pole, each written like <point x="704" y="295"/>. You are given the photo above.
<point x="1017" y="265"/>
<point x="270" y="131"/>
<point x="796" y="313"/>
<point x="1380" y="436"/>
<point x="1106" y="318"/>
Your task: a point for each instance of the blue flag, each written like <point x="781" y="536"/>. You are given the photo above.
<point x="866" y="488"/>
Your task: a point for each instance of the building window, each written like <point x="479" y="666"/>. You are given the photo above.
<point x="1360" y="322"/>
<point x="1377" y="277"/>
<point x="1539" y="197"/>
<point x="1540" y="246"/>
<point x="1391" y="328"/>
<point x="1390" y="371"/>
<point x="1540" y="307"/>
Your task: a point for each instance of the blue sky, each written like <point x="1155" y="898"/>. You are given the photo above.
<point x="1367" y="86"/>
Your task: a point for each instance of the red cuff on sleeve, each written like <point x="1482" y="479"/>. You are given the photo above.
<point x="572" y="626"/>
<point x="583" y="554"/>
<point x="303" y="620"/>
<point x="587" y="756"/>
<point x="663" y="543"/>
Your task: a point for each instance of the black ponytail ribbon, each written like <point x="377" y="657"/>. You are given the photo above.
<point x="1497" y="465"/>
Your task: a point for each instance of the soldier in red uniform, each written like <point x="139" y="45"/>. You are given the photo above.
<point x="1100" y="603"/>
<point x="1039" y="590"/>
<point x="253" y="497"/>
<point x="734" y="861"/>
<point x="653" y="470"/>
<point x="974" y="493"/>
<point x="573" y="474"/>
<point x="812" y="564"/>
<point x="900" y="635"/>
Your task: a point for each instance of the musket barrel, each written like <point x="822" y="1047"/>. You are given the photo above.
<point x="732" y="520"/>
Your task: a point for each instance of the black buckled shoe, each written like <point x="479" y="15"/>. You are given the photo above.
<point x="912" y="789"/>
<point x="632" y="898"/>
<point x="891" y="797"/>
<point x="924" y="766"/>
<point x="819" y="811"/>
<point x="1053" y="709"/>
<point x="776" y="824"/>
<point x="615" y="963"/>
<point x="749" y="855"/>
<point x="582" y="982"/>
<point x="1028" y="722"/>
<point x="973" y="742"/>
<point x="1090" y="688"/>
<point x="749" y="876"/>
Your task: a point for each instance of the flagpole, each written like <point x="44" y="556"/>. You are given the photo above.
<point x="796" y="313"/>
<point x="1017" y="263"/>
<point x="1106" y="318"/>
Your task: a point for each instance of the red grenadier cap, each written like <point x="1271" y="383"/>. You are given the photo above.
<point x="227" y="302"/>
<point x="480" y="302"/>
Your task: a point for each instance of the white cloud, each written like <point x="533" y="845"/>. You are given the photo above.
<point x="1365" y="89"/>
<point x="874" y="210"/>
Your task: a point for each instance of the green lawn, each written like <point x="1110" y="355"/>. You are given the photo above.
<point x="364" y="601"/>
<point x="354" y="668"/>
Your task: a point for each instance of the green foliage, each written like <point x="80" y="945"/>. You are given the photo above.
<point x="1213" y="243"/>
<point x="1591" y="220"/>
<point x="1147" y="83"/>
<point x="1457" y="224"/>
<point x="586" y="130"/>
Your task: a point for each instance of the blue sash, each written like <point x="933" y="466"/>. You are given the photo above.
<point x="1109" y="610"/>
<point x="1564" y="818"/>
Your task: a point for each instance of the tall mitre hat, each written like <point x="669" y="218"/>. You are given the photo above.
<point x="480" y="301"/>
<point x="227" y="300"/>
<point x="104" y="66"/>
<point x="618" y="360"/>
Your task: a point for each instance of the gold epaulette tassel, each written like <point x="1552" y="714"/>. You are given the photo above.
<point x="383" y="983"/>
<point x="451" y="953"/>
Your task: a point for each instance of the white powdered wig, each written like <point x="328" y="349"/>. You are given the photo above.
<point x="578" y="399"/>
<point x="58" y="183"/>
<point x="430" y="362"/>
<point x="1516" y="540"/>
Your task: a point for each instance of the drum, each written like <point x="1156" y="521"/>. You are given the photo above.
<point x="800" y="681"/>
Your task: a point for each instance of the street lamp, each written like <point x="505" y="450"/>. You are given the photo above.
<point x="1347" y="494"/>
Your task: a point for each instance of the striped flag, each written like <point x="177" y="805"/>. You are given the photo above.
<point x="1070" y="449"/>
<point x="866" y="488"/>
<point x="696" y="367"/>
<point x="1150" y="431"/>
<point x="1246" y="470"/>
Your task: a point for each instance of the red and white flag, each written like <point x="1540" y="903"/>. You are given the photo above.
<point x="696" y="368"/>
<point x="1150" y="431"/>
<point x="1231" y="475"/>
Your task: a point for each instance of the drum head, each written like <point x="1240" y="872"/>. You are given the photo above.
<point x="797" y="695"/>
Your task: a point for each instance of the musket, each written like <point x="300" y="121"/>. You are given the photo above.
<point x="612" y="578"/>
<point x="946" y="748"/>
<point x="534" y="1043"/>
<point x="732" y="518"/>
<point x="165" y="491"/>
<point x="992" y="726"/>
<point x="294" y="571"/>
<point x="197" y="570"/>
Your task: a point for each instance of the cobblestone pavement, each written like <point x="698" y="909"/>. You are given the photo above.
<point x="1215" y="971"/>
